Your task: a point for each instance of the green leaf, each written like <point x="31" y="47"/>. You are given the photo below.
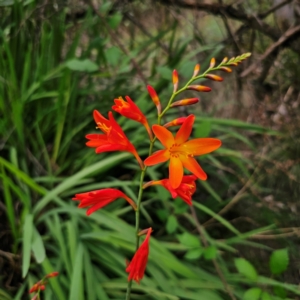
<point x="252" y="294"/>
<point x="210" y="252"/>
<point x="165" y="72"/>
<point x="194" y="254"/>
<point x="244" y="267"/>
<point x="279" y="291"/>
<point x="27" y="238"/>
<point x="85" y="65"/>
<point x="189" y="240"/>
<point x="171" y="224"/>
<point x="113" y="56"/>
<point x="265" y="296"/>
<point x="203" y="129"/>
<point x="115" y="20"/>
<point x="279" y="261"/>
<point x="37" y="247"/>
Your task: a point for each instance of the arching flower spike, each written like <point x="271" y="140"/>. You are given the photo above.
<point x="181" y="152"/>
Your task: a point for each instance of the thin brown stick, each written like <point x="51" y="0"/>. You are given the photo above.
<point x="200" y="230"/>
<point x="274" y="8"/>
<point x="287" y="35"/>
<point x="120" y="45"/>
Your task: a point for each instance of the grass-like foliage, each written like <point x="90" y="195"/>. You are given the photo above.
<point x="55" y="70"/>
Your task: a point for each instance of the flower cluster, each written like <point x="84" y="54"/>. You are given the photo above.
<point x="178" y="150"/>
<point x="41" y="285"/>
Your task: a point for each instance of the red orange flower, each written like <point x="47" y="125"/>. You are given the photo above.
<point x="137" y="266"/>
<point x="39" y="286"/>
<point x="113" y="139"/>
<point x="185" y="190"/>
<point x="99" y="198"/>
<point x="180" y="151"/>
<point x="131" y="111"/>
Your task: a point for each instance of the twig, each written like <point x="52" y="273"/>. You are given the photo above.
<point x="216" y="265"/>
<point x="118" y="42"/>
<point x="273" y="8"/>
<point x="145" y="31"/>
<point x="287" y="35"/>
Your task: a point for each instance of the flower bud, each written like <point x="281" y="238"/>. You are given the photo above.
<point x="226" y="69"/>
<point x="53" y="274"/>
<point x="196" y="70"/>
<point x="175" y="80"/>
<point x="154" y="98"/>
<point x="213" y="77"/>
<point x="144" y="231"/>
<point x="175" y="122"/>
<point x="233" y="64"/>
<point x="212" y="63"/>
<point x="185" y="102"/>
<point x="199" y="88"/>
<point x="225" y="59"/>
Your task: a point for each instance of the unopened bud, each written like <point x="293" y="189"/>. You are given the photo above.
<point x="225" y="69"/>
<point x="144" y="231"/>
<point x="185" y="102"/>
<point x="233" y="64"/>
<point x="196" y="70"/>
<point x="213" y="77"/>
<point x="154" y="98"/>
<point x="212" y="63"/>
<point x="199" y="88"/>
<point x="53" y="274"/>
<point x="225" y="59"/>
<point x="175" y="80"/>
<point x="175" y="122"/>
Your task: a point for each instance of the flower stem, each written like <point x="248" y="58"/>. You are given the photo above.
<point x="137" y="213"/>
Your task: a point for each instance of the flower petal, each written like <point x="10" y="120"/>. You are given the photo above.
<point x="110" y="147"/>
<point x="175" y="172"/>
<point x="164" y="135"/>
<point x="192" y="165"/>
<point x="185" y="130"/>
<point x="202" y="145"/>
<point x="157" y="157"/>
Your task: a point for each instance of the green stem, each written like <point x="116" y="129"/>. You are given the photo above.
<point x="137" y="213"/>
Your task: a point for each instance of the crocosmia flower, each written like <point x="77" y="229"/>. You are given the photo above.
<point x="113" y="137"/>
<point x="39" y="286"/>
<point x="136" y="268"/>
<point x="131" y="111"/>
<point x="99" y="198"/>
<point x="181" y="152"/>
<point x="185" y="190"/>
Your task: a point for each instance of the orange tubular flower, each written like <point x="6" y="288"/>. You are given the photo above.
<point x="185" y="190"/>
<point x="99" y="198"/>
<point x="185" y="102"/>
<point x="39" y="286"/>
<point x="113" y="139"/>
<point x="137" y="266"/>
<point x="175" y="122"/>
<point x="199" y="88"/>
<point x="154" y="98"/>
<point x="131" y="111"/>
<point x="181" y="152"/>
<point x="175" y="80"/>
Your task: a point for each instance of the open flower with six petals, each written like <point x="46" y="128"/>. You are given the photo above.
<point x="181" y="152"/>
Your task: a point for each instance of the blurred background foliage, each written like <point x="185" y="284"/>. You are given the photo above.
<point x="59" y="60"/>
